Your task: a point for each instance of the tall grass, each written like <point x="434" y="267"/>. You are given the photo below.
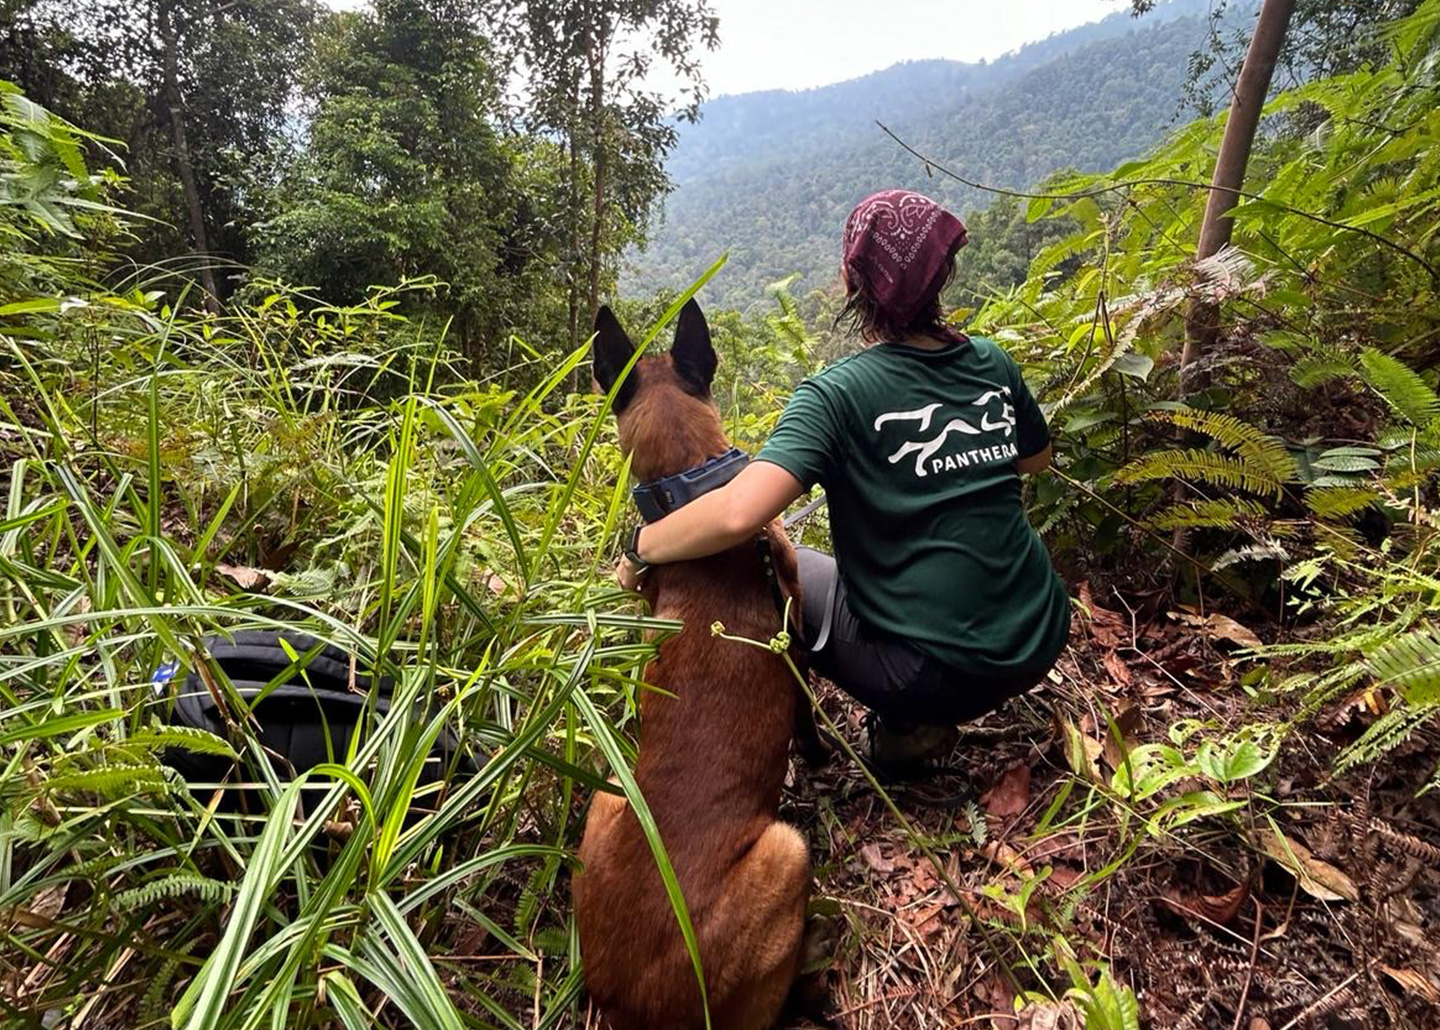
<point x="452" y="535"/>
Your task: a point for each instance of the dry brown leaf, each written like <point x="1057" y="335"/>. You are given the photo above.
<point x="1413" y="982"/>
<point x="1110" y="629"/>
<point x="1337" y="719"/>
<point x="875" y="860"/>
<point x="1064" y="876"/>
<point x="927" y="920"/>
<point x="1118" y="670"/>
<point x="1128" y="720"/>
<point x="1008" y="858"/>
<point x="1049" y="1015"/>
<point x="1214" y="908"/>
<point x="50" y="901"/>
<point x="1061" y="846"/>
<point x="24" y="917"/>
<point x="1259" y="1023"/>
<point x="1011" y="795"/>
<point x="245" y="577"/>
<point x="1082" y="752"/>
<point x="1317" y="878"/>
<point x="1411" y="933"/>
<point x="993" y="991"/>
<point x="76" y="632"/>
<point x="1219" y="627"/>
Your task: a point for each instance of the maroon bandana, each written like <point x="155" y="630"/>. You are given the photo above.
<point x="900" y="244"/>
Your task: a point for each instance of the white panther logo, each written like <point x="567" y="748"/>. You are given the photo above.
<point x="924" y="450"/>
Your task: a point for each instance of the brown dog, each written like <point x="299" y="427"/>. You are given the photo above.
<point x="712" y="756"/>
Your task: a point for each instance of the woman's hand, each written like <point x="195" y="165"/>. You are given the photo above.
<point x="626" y="574"/>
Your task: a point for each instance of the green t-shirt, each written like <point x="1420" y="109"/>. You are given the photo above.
<point x="916" y="450"/>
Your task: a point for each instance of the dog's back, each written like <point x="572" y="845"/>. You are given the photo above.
<point x="714" y="742"/>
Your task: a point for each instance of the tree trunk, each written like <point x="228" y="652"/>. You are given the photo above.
<point x="183" y="165"/>
<point x="599" y="158"/>
<point x="572" y="258"/>
<point x="1202" y="320"/>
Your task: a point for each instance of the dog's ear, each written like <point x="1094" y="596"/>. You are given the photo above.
<point x="693" y="355"/>
<point x="610" y="353"/>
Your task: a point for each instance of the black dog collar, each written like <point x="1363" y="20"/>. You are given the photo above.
<point x="660" y="497"/>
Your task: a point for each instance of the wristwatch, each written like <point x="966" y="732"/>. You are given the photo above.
<point x="632" y="552"/>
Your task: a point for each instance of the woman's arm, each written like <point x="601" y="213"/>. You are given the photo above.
<point x="1037" y="462"/>
<point x="716" y="521"/>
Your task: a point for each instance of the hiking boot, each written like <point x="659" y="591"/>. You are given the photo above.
<point x="891" y="745"/>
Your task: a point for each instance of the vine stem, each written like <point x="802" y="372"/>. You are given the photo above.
<point x="1124" y="184"/>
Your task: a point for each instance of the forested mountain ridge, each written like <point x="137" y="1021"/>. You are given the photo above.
<point x="769" y="176"/>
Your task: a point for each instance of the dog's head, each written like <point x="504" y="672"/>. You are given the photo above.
<point x="666" y="418"/>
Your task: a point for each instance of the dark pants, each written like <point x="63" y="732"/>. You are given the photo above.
<point x="886" y="673"/>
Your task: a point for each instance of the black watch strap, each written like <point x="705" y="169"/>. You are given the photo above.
<point x="632" y="551"/>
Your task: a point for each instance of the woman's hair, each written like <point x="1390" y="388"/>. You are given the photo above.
<point x="864" y="315"/>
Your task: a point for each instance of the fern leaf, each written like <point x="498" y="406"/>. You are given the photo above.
<point x="1205" y="466"/>
<point x="1411" y="664"/>
<point x="1236" y="435"/>
<point x="1334" y="502"/>
<point x="187" y="737"/>
<point x="1266" y="550"/>
<point x="1400" y="386"/>
<point x="214" y="891"/>
<point x="979" y="829"/>
<point x="1383" y="735"/>
<point x="111" y="781"/>
<point x="1318" y="369"/>
<point x="1413" y="462"/>
<point x="1220" y="513"/>
<point x="153" y="1006"/>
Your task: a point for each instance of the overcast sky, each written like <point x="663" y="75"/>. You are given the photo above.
<point x="793" y="44"/>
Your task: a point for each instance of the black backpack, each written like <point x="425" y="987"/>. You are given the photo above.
<point x="294" y="718"/>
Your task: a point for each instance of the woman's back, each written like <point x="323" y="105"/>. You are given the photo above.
<point x="916" y="448"/>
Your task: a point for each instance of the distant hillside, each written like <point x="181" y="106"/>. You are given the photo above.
<point x="770" y="176"/>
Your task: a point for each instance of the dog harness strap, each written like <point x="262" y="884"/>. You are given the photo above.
<point x="660" y="497"/>
<point x="767" y="559"/>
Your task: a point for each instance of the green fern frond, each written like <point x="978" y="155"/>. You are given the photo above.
<point x="1236" y="435"/>
<point x="111" y="781"/>
<point x="1318" y="369"/>
<point x="1384" y="735"/>
<point x="1067" y="503"/>
<point x="1400" y="386"/>
<point x="1420" y="460"/>
<point x="216" y="892"/>
<point x="1401" y="437"/>
<point x="979" y="830"/>
<point x="1334" y="502"/>
<point x="1321" y="689"/>
<point x="1218" y="513"/>
<point x="1411" y="664"/>
<point x="1324" y="365"/>
<point x="154" y="1003"/>
<point x="527" y="909"/>
<point x="1286" y="529"/>
<point x="1205" y="466"/>
<point x="187" y="737"/>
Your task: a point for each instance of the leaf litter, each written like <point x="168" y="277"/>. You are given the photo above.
<point x="1331" y="914"/>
